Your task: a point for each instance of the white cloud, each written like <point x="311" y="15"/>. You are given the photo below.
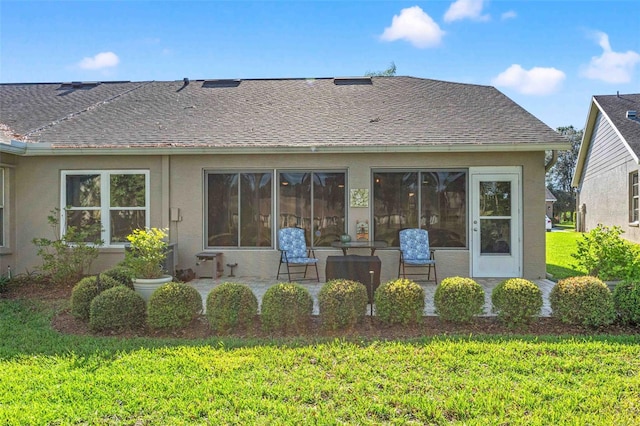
<point x="100" y="61"/>
<point x="465" y="9"/>
<point x="611" y="67"/>
<point x="511" y="14"/>
<point x="414" y="26"/>
<point x="536" y="81"/>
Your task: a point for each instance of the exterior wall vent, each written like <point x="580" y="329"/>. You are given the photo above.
<point x="221" y="83"/>
<point x="632" y="115"/>
<point x="351" y="81"/>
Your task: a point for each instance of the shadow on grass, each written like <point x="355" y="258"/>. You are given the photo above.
<point x="560" y="272"/>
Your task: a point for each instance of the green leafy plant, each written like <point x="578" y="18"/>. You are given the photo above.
<point x="516" y="301"/>
<point x="118" y="308"/>
<point x="458" y="299"/>
<point x="67" y="258"/>
<point x="582" y="300"/>
<point x="147" y="252"/>
<point x="606" y="255"/>
<point x="343" y="303"/>
<point x="85" y="291"/>
<point x="399" y="301"/>
<point x="286" y="307"/>
<point x="121" y="274"/>
<point x="231" y="306"/>
<point x="173" y="305"/>
<point x="626" y="299"/>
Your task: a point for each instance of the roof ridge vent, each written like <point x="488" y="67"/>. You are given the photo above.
<point x="221" y="83"/>
<point x="632" y="115"/>
<point x="351" y="81"/>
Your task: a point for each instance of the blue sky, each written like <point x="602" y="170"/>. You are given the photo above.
<point x="548" y="56"/>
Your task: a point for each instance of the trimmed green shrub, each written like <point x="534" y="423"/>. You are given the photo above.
<point x="626" y="299"/>
<point x="603" y="253"/>
<point x="343" y="303"/>
<point x="459" y="299"/>
<point x="286" y="307"/>
<point x="173" y="305"/>
<point x="231" y="306"/>
<point x="85" y="291"/>
<point x="516" y="301"/>
<point x="121" y="274"/>
<point x="582" y="300"/>
<point x="118" y="308"/>
<point x="399" y="301"/>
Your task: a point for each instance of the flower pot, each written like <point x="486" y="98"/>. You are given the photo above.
<point x="146" y="286"/>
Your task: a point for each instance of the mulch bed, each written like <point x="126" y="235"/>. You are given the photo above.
<point x="370" y="328"/>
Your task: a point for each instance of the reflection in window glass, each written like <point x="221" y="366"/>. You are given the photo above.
<point x="431" y="200"/>
<point x="239" y="209"/>
<point x="83" y="190"/>
<point x="495" y="236"/>
<point x="634" y="211"/>
<point x="1" y="207"/>
<point x="495" y="199"/>
<point x="322" y="193"/>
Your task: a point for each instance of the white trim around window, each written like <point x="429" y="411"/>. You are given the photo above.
<point x="634" y="199"/>
<point x="94" y="198"/>
<point x="3" y="213"/>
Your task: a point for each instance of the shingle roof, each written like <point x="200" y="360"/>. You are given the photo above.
<point x="387" y="112"/>
<point x="616" y="107"/>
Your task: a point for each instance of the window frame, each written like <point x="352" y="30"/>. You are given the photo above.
<point x="419" y="197"/>
<point x="105" y="207"/>
<point x="205" y="222"/>
<point x="634" y="198"/>
<point x="3" y="210"/>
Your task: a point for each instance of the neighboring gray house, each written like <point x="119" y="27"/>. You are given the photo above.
<point x="549" y="200"/>
<point x="606" y="175"/>
<point x="223" y="164"/>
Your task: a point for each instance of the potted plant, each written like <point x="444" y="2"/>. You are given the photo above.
<point x="144" y="257"/>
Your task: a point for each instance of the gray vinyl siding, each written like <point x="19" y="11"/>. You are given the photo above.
<point x="605" y="182"/>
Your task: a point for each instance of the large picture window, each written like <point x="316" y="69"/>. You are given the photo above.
<point x="239" y="207"/>
<point x="634" y="198"/>
<point x="431" y="200"/>
<point x="314" y="201"/>
<point x="115" y="202"/>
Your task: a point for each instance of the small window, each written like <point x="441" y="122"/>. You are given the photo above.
<point x="115" y="202"/>
<point x="634" y="198"/>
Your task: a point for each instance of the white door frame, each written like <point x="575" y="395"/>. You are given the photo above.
<point x="505" y="265"/>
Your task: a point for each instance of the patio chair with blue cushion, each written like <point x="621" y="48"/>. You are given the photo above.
<point x="415" y="253"/>
<point x="294" y="253"/>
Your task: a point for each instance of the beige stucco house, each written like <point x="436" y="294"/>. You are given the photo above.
<point x="606" y="175"/>
<point x="223" y="164"/>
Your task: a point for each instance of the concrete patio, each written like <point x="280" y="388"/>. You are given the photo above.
<point x="260" y="285"/>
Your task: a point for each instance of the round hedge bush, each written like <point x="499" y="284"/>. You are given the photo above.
<point x="582" y="300"/>
<point x="626" y="299"/>
<point x="121" y="274"/>
<point x="286" y="307"/>
<point x="459" y="299"/>
<point x="343" y="303"/>
<point x="173" y="305"/>
<point x="118" y="308"/>
<point x="516" y="301"/>
<point x="399" y="301"/>
<point x="85" y="291"/>
<point x="231" y="306"/>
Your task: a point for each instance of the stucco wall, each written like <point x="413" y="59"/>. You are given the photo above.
<point x="38" y="185"/>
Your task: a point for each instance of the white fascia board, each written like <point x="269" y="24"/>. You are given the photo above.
<point x="44" y="149"/>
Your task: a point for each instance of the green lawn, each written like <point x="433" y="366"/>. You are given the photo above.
<point x="48" y="378"/>
<point x="560" y="246"/>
